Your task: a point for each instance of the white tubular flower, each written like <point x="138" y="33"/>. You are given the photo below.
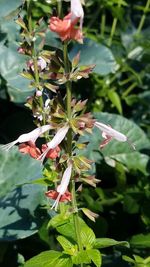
<point x="31" y="136"/>
<point x="77" y="11"/>
<point x="57" y="139"/>
<point x="111" y="132"/>
<point x="62" y="188"/>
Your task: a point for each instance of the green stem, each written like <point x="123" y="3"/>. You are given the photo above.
<point x="142" y="21"/>
<point x="68" y="98"/>
<point x="29" y="15"/>
<point x="69" y="144"/>
<point x="59" y="8"/>
<point x="130" y="89"/>
<point x="76" y="218"/>
<point x="113" y="28"/>
<point x="103" y="23"/>
<point x="34" y="54"/>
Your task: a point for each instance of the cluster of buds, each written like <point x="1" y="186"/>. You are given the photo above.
<point x="49" y="107"/>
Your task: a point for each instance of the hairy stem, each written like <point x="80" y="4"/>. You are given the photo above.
<point x="69" y="145"/>
<point x="143" y="18"/>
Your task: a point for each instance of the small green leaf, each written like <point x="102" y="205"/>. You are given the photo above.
<point x="95" y="256"/>
<point x="128" y="259"/>
<point x="65" y="243"/>
<point x="81" y="257"/>
<point x="20" y="22"/>
<point x="108" y="242"/>
<point x="140" y="241"/>
<point x="115" y="99"/>
<point x="27" y="75"/>
<point x="87" y="236"/>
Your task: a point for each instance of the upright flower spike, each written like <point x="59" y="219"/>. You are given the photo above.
<point x="109" y="133"/>
<point x="28" y="137"/>
<point x="57" y="139"/>
<point x="62" y="188"/>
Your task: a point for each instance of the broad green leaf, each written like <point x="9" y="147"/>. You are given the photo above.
<point x="11" y="64"/>
<point x="134" y="161"/>
<point x="8" y="7"/>
<point x="14" y="171"/>
<point x="44" y="259"/>
<point x="86" y="233"/>
<point x="140" y="241"/>
<point x="108" y="242"/>
<point x="21" y="212"/>
<point x="81" y="257"/>
<point x="95" y="256"/>
<point x="20" y="209"/>
<point x="119" y="151"/>
<point x="94" y="53"/>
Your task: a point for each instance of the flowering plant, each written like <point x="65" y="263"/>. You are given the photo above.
<point x="60" y="122"/>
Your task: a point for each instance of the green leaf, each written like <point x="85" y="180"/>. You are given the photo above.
<point x="81" y="257"/>
<point x="108" y="242"/>
<point x="12" y="173"/>
<point x="20" y="210"/>
<point x="59" y="220"/>
<point x="130" y="205"/>
<point x="86" y="233"/>
<point x="45" y="259"/>
<point x="21" y="213"/>
<point x="8" y="7"/>
<point x="92" y="52"/>
<point x="115" y="99"/>
<point x="65" y="243"/>
<point x="95" y="256"/>
<point x="11" y="64"/>
<point x="140" y="241"/>
<point x="128" y="259"/>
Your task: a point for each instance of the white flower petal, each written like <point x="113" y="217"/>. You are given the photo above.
<point x="61" y="189"/>
<point x="31" y="136"/>
<point x="77" y="11"/>
<point x="57" y="139"/>
<point x="111" y="132"/>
